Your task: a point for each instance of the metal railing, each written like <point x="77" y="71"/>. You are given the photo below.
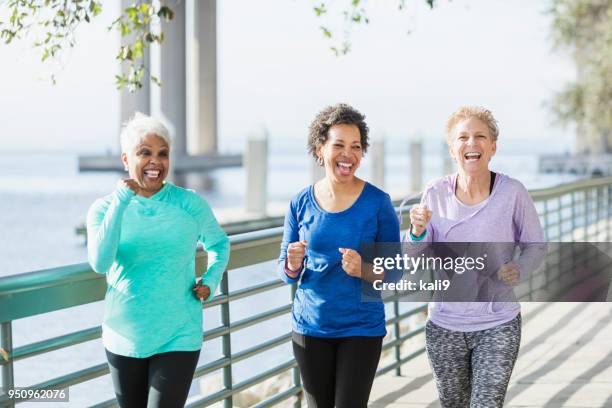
<point x="579" y="210"/>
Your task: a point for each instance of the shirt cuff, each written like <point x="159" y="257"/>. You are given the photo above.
<point x="419" y="238"/>
<point x="291" y="273"/>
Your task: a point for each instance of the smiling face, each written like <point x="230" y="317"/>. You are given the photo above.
<point x="148" y="163"/>
<point x="341" y="153"/>
<point x="472" y="146"/>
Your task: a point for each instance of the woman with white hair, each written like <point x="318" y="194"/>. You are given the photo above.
<point x="144" y="237"/>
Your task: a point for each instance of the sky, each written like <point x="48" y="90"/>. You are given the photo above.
<point x="407" y="71"/>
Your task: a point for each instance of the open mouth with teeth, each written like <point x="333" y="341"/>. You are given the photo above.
<point x="344" y="168"/>
<point x="153" y="175"/>
<point x="472" y="156"/>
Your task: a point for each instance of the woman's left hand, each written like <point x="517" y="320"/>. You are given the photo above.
<point x="351" y="262"/>
<point x="509" y="273"/>
<point x="200" y="291"/>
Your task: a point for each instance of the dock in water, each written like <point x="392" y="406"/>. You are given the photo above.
<point x="183" y="164"/>
<point x="595" y="165"/>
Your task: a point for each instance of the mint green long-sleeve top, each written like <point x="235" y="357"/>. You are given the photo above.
<point x="146" y="247"/>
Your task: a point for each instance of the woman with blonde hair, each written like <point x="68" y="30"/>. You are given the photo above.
<point x="472" y="346"/>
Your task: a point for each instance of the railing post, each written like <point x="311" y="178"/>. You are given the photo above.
<point x="547" y="239"/>
<point x="226" y="341"/>
<point x="608" y="212"/>
<point x="545" y="218"/>
<point x="560" y="218"/>
<point x="6" y="342"/>
<point x="397" y="334"/>
<point x="573" y="196"/>
<point x="586" y="216"/>
<point x="598" y="212"/>
<point x="588" y="200"/>
<point x="573" y="228"/>
<point x="295" y="371"/>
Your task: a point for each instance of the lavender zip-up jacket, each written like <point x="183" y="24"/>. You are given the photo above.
<point x="507" y="215"/>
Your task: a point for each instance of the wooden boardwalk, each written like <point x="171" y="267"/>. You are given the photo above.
<point x="565" y="361"/>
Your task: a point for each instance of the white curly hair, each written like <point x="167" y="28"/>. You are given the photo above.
<point x="140" y="126"/>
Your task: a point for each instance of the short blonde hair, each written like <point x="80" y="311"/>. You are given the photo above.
<point x="467" y="112"/>
<point x="138" y="127"/>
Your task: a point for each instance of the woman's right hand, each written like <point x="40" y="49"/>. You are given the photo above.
<point x="129" y="183"/>
<point x="420" y="216"/>
<point x="295" y="255"/>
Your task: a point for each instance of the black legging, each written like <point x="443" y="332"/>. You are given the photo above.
<point x="337" y="371"/>
<point x="162" y="380"/>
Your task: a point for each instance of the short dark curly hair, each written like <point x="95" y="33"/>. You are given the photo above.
<point x="338" y="114"/>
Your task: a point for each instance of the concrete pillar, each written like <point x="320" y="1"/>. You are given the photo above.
<point x="256" y="169"/>
<point x="416" y="166"/>
<point x="202" y="77"/>
<point x="377" y="161"/>
<point x="172" y="98"/>
<point x="140" y="100"/>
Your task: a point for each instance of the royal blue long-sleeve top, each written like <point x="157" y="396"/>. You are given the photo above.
<point x="328" y="302"/>
<point x="147" y="247"/>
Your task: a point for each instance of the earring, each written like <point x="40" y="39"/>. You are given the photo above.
<point x="319" y="160"/>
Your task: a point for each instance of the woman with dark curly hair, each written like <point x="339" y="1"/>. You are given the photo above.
<point x="337" y="337"/>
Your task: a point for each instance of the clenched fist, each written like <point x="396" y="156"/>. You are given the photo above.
<point x="351" y="262"/>
<point x="508" y="273"/>
<point x="201" y="291"/>
<point x="420" y="216"/>
<point x="131" y="184"/>
<point x="296" y="251"/>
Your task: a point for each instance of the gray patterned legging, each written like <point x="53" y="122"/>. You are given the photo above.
<point x="472" y="369"/>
